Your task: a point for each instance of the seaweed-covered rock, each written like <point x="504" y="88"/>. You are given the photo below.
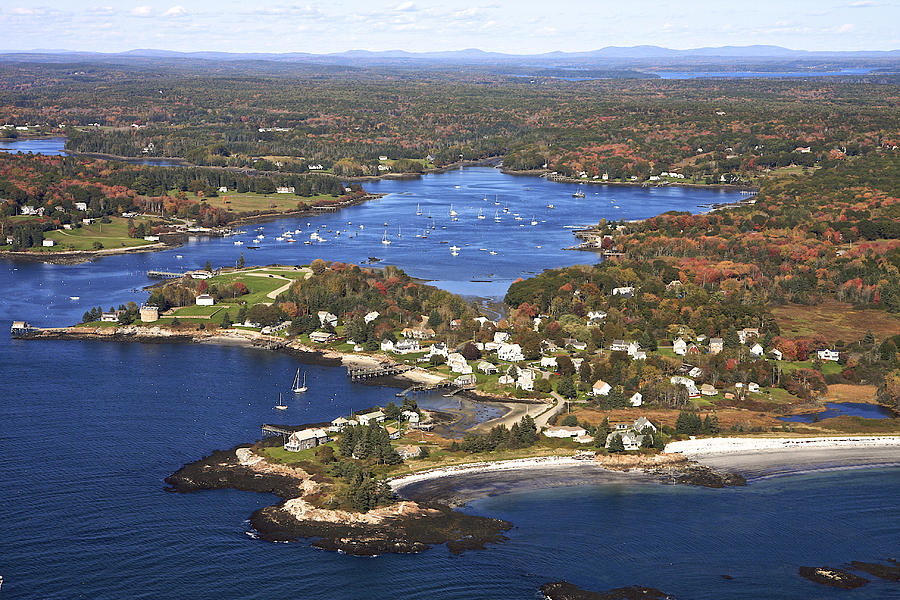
<point x="889" y="572"/>
<point x="563" y="590"/>
<point x="833" y="577"/>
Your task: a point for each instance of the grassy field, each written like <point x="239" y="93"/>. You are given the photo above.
<point x="828" y="367"/>
<point x="111" y="235"/>
<point x="836" y="321"/>
<point x="236" y="202"/>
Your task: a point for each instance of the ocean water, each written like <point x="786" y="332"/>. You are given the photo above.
<point x="89" y="431"/>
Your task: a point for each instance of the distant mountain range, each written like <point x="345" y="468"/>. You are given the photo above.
<point x="474" y="55"/>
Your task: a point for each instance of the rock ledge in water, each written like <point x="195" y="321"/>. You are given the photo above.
<point x="563" y="590"/>
<point x="833" y="577"/>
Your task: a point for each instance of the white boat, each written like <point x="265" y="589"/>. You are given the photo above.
<point x="239" y="243"/>
<point x="480" y="213"/>
<point x="74" y="297"/>
<point x="299" y="389"/>
<point x="279" y="239"/>
<point x="550" y="206"/>
<point x="178" y="256"/>
<point x="454" y="253"/>
<point x="533" y="221"/>
<point x="518" y="218"/>
<point x="418" y="211"/>
<point x="497" y="216"/>
<point x="362" y="227"/>
<point x="280" y="405"/>
<point x="399" y="234"/>
<point x="292" y="241"/>
<point x="384" y="239"/>
<point x="492" y="253"/>
<point x="453" y="213"/>
<point x="454" y="248"/>
<point x="506" y="208"/>
<point x="496" y="201"/>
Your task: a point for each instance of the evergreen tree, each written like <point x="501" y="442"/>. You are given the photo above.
<point x="731" y="340"/>
<point x="616" y="444"/>
<point x="566" y="388"/>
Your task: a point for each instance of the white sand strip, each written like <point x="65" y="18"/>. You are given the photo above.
<point x="483" y="467"/>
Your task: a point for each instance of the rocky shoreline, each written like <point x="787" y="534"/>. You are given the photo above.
<point x="563" y="590"/>
<point x="75" y="257"/>
<point x="403" y="527"/>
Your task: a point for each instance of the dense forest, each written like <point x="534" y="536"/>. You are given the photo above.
<point x="345" y="118"/>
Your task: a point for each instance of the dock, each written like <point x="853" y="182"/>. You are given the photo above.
<point x="424" y="387"/>
<point x="270" y="430"/>
<point x="359" y="374"/>
<point x="164" y="275"/>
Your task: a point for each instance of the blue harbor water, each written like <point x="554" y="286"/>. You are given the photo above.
<point x="90" y="430"/>
<point x="759" y="74"/>
<point x="838" y="409"/>
<point x="55" y="146"/>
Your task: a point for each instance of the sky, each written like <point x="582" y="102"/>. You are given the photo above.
<point x="510" y="26"/>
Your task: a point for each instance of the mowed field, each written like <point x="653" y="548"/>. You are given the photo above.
<point x="236" y="202"/>
<point x="111" y="235"/>
<point x="835" y="321"/>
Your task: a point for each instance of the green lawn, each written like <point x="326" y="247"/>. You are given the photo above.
<point x="111" y="235"/>
<point x="247" y="202"/>
<point x="196" y="311"/>
<point x="828" y="367"/>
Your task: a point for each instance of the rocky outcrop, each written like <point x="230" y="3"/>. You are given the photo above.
<point x="563" y="590"/>
<point x="401" y="527"/>
<point x="833" y="577"/>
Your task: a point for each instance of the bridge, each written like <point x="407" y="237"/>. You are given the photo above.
<point x="358" y="374"/>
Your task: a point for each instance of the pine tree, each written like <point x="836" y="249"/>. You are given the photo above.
<point x="616" y="444"/>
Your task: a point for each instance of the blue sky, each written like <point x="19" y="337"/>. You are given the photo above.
<point x="513" y="26"/>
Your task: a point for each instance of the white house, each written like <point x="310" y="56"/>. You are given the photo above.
<point x="81" y="206"/>
<point x="205" y="300"/>
<point x="465" y="380"/>
<point x="636" y="399"/>
<point x="643" y="422"/>
<point x="510" y="353"/>
<point x="708" y="390"/>
<point x="695" y="372"/>
<point x="285" y="189"/>
<point x="595" y="316"/>
<point x="110" y="317"/>
<point x="776" y="354"/>
<point x="438" y="349"/>
<point x="223" y="189"/>
<point x="716" y="345"/>
<point x="322" y="337"/>
<point x="630" y="439"/>
<point x="501" y="337"/>
<point x="753" y="387"/>
<point x="407" y="346"/>
<point x="633" y="348"/>
<point x="487" y="368"/>
<point x="374" y="416"/>
<point x="687" y="382"/>
<point x="625" y="292"/>
<point x="747" y="333"/>
<point x="600" y="388"/>
<point x="548" y="363"/>
<point x="525" y="380"/>
<point x="564" y="431"/>
<point x="387" y="345"/>
<point x="679" y="347"/>
<point x="618" y="346"/>
<point x="326" y="318"/>
<point x="371" y="316"/>
<point x="410" y="416"/>
<point x="48" y="243"/>
<point x="827" y="354"/>
<point x="340" y="422"/>
<point x="757" y="350"/>
<point x="506" y="380"/>
<point x="305" y="438"/>
<point x="457" y="363"/>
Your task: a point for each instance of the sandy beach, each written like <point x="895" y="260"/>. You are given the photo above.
<point x="766" y="457"/>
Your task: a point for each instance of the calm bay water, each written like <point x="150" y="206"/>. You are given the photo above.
<point x="90" y="430"/>
<point x="838" y="409"/>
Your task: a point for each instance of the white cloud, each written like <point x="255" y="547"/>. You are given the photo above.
<point x="141" y="11"/>
<point x="101" y="10"/>
<point x="846" y="28"/>
<point x="175" y="11"/>
<point x="862" y="3"/>
<point x="405" y="6"/>
<point x="26" y="12"/>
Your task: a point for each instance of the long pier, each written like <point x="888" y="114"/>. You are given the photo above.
<point x="164" y="275"/>
<point x="358" y="374"/>
<point x="270" y="430"/>
<point x="424" y="387"/>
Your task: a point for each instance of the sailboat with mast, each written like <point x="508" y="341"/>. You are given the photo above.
<point x="281" y="405"/>
<point x="453" y="213"/>
<point x="481" y="213"/>
<point x="297" y="388"/>
<point x="384" y="239"/>
<point x="418" y="210"/>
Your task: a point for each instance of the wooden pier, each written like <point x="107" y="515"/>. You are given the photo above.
<point x="385" y="371"/>
<point x="424" y="387"/>
<point x="164" y="275"/>
<point x="270" y="430"/>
